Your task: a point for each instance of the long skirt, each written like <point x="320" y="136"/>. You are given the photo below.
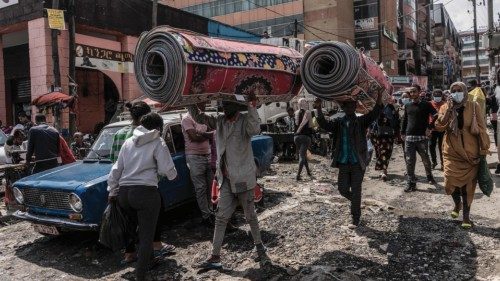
<point x="383" y="151"/>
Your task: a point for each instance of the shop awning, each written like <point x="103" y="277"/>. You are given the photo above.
<point x="52" y="98"/>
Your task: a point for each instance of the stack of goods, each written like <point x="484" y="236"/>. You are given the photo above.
<point x="178" y="67"/>
<point x="336" y="71"/>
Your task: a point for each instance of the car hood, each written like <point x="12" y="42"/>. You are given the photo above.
<point x="67" y="177"/>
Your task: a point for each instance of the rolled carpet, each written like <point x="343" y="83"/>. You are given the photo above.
<point x="178" y="67"/>
<point x="336" y="71"/>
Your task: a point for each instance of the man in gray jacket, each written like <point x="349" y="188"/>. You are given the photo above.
<point x="235" y="170"/>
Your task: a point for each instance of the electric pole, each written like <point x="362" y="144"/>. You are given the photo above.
<point x="491" y="30"/>
<point x="476" y="44"/>
<point x="55" y="51"/>
<point x="295" y="28"/>
<point x="154" y="20"/>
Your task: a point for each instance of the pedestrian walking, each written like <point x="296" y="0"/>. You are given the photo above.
<point x="436" y="137"/>
<point x="235" y="171"/>
<point x="134" y="180"/>
<point x="465" y="140"/>
<point x="197" y="149"/>
<point x="496" y="95"/>
<point x="415" y="129"/>
<point x="302" y="138"/>
<point x="43" y="143"/>
<point x="383" y="135"/>
<point x="350" y="154"/>
<point x="137" y="111"/>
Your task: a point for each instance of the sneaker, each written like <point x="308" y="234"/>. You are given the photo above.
<point x="411" y="186"/>
<point x="212" y="263"/>
<point x="260" y="252"/>
<point x="431" y="179"/>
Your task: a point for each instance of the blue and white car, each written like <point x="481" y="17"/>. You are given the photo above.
<point x="74" y="196"/>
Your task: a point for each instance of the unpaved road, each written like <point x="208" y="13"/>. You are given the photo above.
<point x="402" y="237"/>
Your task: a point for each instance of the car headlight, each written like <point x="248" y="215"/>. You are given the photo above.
<point x="18" y="195"/>
<point x="75" y="202"/>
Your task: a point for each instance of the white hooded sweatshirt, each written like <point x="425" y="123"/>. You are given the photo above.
<point x="142" y="158"/>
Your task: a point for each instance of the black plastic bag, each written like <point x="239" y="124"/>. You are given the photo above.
<point x="116" y="227"/>
<point x="484" y="178"/>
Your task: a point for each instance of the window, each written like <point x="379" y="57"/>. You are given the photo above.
<point x="174" y="138"/>
<point x="224" y="7"/>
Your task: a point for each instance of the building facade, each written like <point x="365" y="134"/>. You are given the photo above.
<point x="106" y="36"/>
<point x="469" y="57"/>
<point x="308" y="19"/>
<point x="376" y="31"/>
<point x="447" y="45"/>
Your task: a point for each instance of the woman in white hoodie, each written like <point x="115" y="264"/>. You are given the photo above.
<point x="134" y="180"/>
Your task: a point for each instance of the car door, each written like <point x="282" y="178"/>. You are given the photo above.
<point x="179" y="190"/>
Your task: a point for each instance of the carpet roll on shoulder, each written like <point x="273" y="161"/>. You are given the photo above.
<point x="179" y="67"/>
<point x="336" y="71"/>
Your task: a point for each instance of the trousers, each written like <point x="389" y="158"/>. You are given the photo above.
<point x="350" y="181"/>
<point x="411" y="149"/>
<point x="436" y="140"/>
<point x="201" y="176"/>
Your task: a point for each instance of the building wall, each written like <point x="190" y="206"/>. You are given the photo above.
<point x="255" y="16"/>
<point x="334" y="20"/>
<point x="469" y="57"/>
<point x="3" y="102"/>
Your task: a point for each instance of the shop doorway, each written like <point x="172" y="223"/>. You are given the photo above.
<point x="98" y="99"/>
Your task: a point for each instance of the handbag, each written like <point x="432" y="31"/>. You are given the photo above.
<point x="384" y="131"/>
<point x="484" y="178"/>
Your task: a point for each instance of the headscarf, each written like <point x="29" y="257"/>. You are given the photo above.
<point x="453" y="125"/>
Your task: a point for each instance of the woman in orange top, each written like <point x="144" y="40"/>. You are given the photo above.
<point x="464" y="143"/>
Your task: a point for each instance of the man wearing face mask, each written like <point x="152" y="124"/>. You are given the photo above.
<point x="350" y="152"/>
<point x="414" y="130"/>
<point x="235" y="170"/>
<point x="437" y="137"/>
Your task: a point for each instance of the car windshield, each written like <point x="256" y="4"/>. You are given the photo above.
<point x="3" y="138"/>
<point x="102" y="145"/>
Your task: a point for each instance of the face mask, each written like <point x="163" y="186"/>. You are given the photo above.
<point x="438" y="99"/>
<point x="405" y="101"/>
<point x="457" y="96"/>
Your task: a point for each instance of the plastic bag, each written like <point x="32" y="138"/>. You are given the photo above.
<point x="484" y="178"/>
<point x="116" y="227"/>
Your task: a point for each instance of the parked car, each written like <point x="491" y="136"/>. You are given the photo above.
<point x="74" y="196"/>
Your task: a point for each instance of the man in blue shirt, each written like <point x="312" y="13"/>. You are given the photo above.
<point x="350" y="151"/>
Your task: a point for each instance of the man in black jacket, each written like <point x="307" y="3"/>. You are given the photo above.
<point x="415" y="130"/>
<point x="350" y="151"/>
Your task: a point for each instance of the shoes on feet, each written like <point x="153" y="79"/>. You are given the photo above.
<point x="411" y="186"/>
<point x="497" y="170"/>
<point x="434" y="165"/>
<point x="212" y="263"/>
<point x="431" y="179"/>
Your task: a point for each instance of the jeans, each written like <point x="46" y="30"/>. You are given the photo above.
<point x="436" y="139"/>
<point x="350" y="181"/>
<point x="228" y="202"/>
<point x="411" y="149"/>
<point x="201" y="176"/>
<point x="143" y="204"/>
<point x="302" y="142"/>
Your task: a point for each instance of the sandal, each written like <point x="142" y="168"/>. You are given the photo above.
<point x="165" y="250"/>
<point x="466" y="225"/>
<point x="454" y="214"/>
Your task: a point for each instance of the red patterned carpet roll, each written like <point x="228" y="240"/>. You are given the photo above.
<point x="178" y="67"/>
<point x="336" y="71"/>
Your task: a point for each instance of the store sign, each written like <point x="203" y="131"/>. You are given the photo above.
<point x="6" y="3"/>
<point x="56" y="19"/>
<point x="405" y="54"/>
<point x="103" y="59"/>
<point x="365" y="24"/>
<point x="391" y="35"/>
<point x="400" y="79"/>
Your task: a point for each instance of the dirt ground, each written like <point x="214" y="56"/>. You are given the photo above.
<point x="304" y="225"/>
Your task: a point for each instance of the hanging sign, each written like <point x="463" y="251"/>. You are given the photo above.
<point x="56" y="19"/>
<point x="103" y="59"/>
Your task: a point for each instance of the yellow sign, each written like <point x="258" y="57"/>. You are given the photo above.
<point x="56" y="19"/>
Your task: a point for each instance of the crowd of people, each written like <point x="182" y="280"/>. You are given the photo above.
<point x="450" y="128"/>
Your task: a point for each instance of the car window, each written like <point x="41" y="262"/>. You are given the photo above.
<point x="3" y="138"/>
<point x="174" y="138"/>
<point x="102" y="146"/>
